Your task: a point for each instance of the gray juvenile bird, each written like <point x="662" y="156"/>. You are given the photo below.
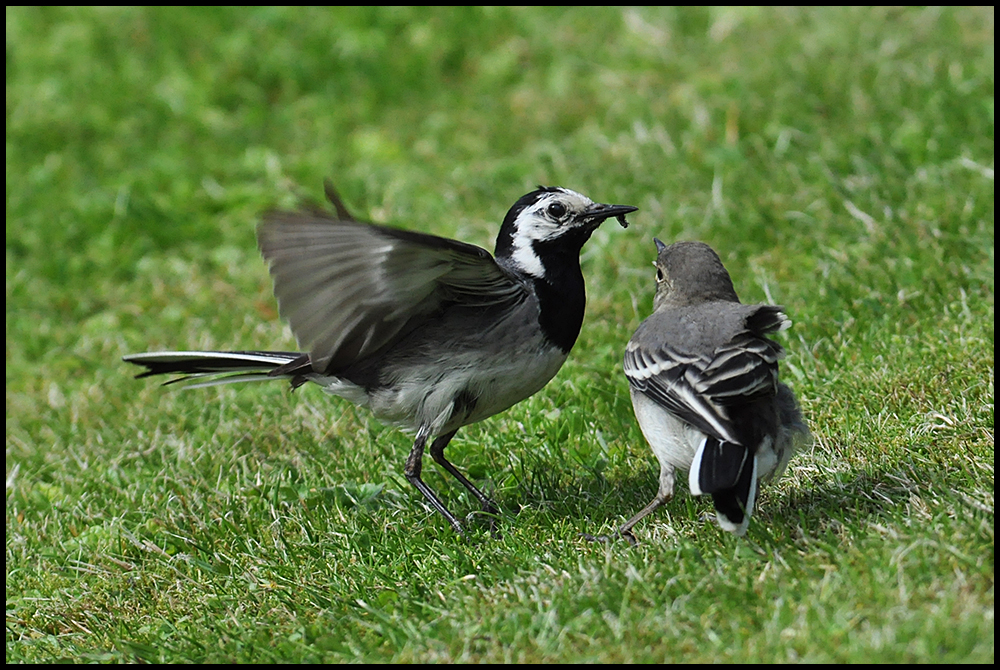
<point x="704" y="384"/>
<point x="430" y="333"/>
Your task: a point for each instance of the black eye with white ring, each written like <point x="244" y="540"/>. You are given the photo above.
<point x="557" y="210"/>
<point x="659" y="275"/>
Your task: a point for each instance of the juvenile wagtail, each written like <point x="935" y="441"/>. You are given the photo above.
<point x="703" y="378"/>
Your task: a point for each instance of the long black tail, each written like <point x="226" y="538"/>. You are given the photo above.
<point x="212" y="368"/>
<point x="729" y="472"/>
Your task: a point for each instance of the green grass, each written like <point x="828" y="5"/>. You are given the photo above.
<point x="840" y="160"/>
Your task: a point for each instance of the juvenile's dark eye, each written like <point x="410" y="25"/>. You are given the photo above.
<point x="557" y="210"/>
<point x="659" y="275"/>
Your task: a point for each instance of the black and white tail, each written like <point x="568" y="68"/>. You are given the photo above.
<point x="729" y="473"/>
<point x="198" y="369"/>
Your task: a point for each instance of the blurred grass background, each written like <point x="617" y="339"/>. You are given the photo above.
<point x="840" y="160"/>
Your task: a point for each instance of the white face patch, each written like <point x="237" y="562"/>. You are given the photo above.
<point x="547" y="219"/>
<point x="525" y="258"/>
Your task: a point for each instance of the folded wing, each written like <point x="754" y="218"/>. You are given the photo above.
<point x="698" y="385"/>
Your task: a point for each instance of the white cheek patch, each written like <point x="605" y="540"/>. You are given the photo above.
<point x="531" y="229"/>
<point x="526" y="259"/>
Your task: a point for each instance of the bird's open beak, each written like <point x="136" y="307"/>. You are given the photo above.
<point x="599" y="212"/>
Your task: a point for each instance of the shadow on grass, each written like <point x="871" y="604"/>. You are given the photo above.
<point x="847" y="497"/>
<point x="842" y="497"/>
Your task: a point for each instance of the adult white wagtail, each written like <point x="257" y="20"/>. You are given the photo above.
<point x="430" y="333"/>
<point x="704" y="384"/>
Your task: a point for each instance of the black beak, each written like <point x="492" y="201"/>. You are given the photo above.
<point x="599" y="212"/>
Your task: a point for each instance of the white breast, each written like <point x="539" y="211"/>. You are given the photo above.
<point x="426" y="393"/>
<point x="673" y="441"/>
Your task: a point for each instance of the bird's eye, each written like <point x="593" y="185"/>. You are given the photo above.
<point x="659" y="275"/>
<point x="557" y="210"/>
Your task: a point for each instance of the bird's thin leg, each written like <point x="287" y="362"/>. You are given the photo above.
<point x="626" y="530"/>
<point x="665" y="493"/>
<point x="437" y="453"/>
<point x="412" y="474"/>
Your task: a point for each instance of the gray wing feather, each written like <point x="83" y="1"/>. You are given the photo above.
<point x="672" y="380"/>
<point x="347" y="289"/>
<point x="744" y="369"/>
<point x="716" y="368"/>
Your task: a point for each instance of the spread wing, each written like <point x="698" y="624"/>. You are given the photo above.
<point x="698" y="384"/>
<point x="347" y="288"/>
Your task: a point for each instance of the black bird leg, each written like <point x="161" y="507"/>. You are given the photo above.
<point x="412" y="474"/>
<point x="437" y="453"/>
